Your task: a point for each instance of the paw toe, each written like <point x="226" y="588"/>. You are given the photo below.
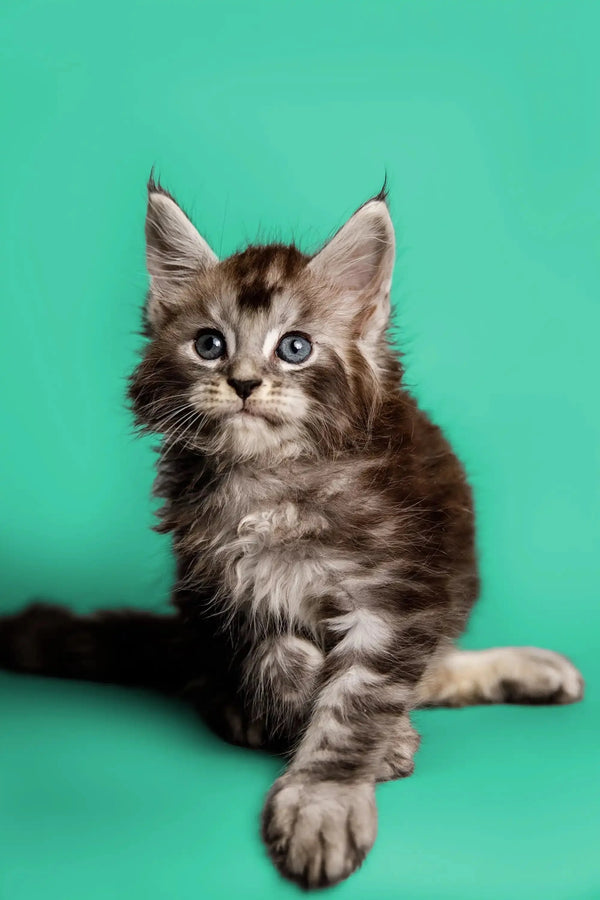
<point x="318" y="833"/>
<point x="545" y="677"/>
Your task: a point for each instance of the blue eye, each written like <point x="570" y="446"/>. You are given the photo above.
<point x="210" y="344"/>
<point x="294" y="348"/>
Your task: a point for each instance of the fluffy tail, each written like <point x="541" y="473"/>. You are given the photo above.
<point x="125" y="647"/>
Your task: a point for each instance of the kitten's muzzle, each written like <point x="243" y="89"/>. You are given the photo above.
<point x="244" y="388"/>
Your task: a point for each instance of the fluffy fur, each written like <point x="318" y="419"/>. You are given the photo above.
<point x="323" y="530"/>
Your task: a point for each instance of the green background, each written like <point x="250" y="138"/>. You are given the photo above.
<point x="277" y="119"/>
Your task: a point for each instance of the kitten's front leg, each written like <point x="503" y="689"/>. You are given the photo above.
<point x="320" y="818"/>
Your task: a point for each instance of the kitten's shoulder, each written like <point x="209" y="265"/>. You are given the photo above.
<point x="410" y="443"/>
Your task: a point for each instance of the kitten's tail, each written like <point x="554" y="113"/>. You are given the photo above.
<point x="126" y="647"/>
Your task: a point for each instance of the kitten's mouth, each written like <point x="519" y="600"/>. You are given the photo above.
<point x="247" y="412"/>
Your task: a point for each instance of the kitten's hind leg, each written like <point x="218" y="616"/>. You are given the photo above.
<point x="267" y="705"/>
<point x="218" y="703"/>
<point x="527" y="675"/>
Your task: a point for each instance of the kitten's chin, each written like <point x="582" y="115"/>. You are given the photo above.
<point x="251" y="435"/>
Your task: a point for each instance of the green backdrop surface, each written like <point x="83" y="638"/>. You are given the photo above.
<point x="277" y="119"/>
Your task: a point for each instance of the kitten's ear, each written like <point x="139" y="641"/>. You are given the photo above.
<point x="175" y="251"/>
<point x="359" y="258"/>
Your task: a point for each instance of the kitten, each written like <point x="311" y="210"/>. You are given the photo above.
<point x="323" y="530"/>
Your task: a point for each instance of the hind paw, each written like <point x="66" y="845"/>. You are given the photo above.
<point x="541" y="676"/>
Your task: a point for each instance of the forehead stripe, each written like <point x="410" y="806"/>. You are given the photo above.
<point x="255" y="295"/>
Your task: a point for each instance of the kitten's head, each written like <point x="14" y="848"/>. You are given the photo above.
<point x="268" y="351"/>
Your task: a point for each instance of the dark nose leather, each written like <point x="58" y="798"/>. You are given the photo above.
<point x="244" y="388"/>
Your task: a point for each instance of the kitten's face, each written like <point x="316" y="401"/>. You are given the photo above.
<point x="268" y="351"/>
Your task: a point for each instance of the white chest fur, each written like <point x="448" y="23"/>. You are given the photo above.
<point x="269" y="553"/>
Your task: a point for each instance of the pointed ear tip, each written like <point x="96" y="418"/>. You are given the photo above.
<point x="153" y="185"/>
<point x="377" y="209"/>
<point x="382" y="195"/>
<point x="378" y="204"/>
<point x="379" y="201"/>
<point x="158" y="196"/>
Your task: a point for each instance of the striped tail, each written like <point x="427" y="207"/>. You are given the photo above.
<point x="127" y="647"/>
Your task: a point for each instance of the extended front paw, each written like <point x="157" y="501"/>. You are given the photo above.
<point x="319" y="832"/>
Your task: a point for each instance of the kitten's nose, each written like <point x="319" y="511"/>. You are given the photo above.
<point x="244" y="388"/>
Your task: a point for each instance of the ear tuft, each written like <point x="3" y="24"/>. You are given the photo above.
<point x="155" y="187"/>
<point x="384" y="192"/>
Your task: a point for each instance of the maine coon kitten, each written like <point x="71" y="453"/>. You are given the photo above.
<point x="323" y="530"/>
